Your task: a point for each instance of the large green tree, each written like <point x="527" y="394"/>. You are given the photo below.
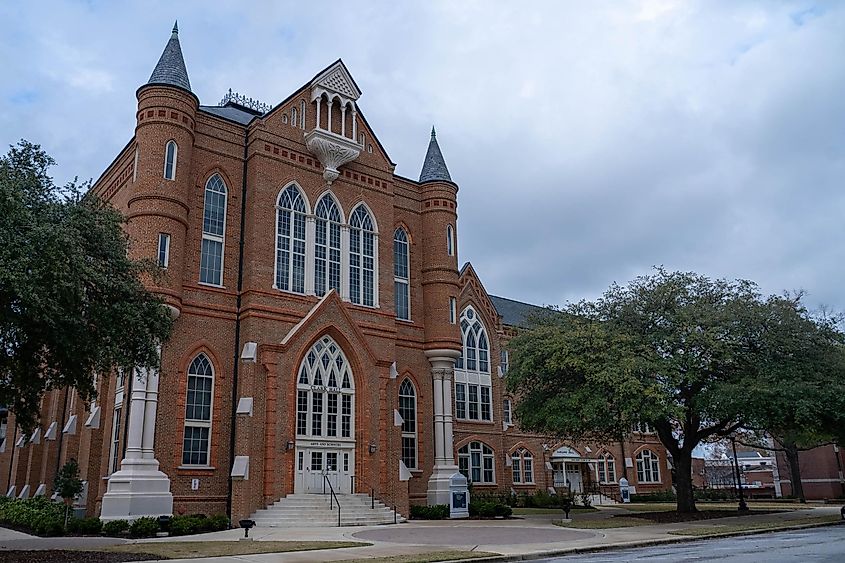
<point x="71" y="301"/>
<point x="684" y="353"/>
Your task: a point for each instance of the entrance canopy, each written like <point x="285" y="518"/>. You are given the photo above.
<point x="568" y="455"/>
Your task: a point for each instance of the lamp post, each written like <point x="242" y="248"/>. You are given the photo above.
<point x="742" y="506"/>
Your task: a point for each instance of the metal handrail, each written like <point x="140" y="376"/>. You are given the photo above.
<point x="332" y="495"/>
<point x="373" y="496"/>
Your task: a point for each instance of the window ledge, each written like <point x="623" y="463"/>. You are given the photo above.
<point x="206" y="284"/>
<point x="472" y="421"/>
<point x="196" y="468"/>
<point x="406" y="321"/>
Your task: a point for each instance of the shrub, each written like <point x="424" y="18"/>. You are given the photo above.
<point x="218" y="522"/>
<point x="656" y="496"/>
<point x="190" y="524"/>
<point x="435" y="512"/>
<point x="586" y="499"/>
<point x="115" y="528"/>
<point x="86" y="526"/>
<point x="503" y="510"/>
<point x="145" y="527"/>
<point x="39" y="515"/>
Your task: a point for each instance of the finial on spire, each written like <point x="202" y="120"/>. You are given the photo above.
<point x="176" y="27"/>
<point x="170" y="69"/>
<point x="433" y="134"/>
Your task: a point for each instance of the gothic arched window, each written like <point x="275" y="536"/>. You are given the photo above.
<point x="408" y="412"/>
<point x="290" y="240"/>
<point x="648" y="467"/>
<point x="325" y="393"/>
<point x="472" y="371"/>
<point x="522" y="464"/>
<point x="196" y="444"/>
<point x="170" y="151"/>
<point x="362" y="257"/>
<point x="213" y="231"/>
<point x="606" y="468"/>
<point x="475" y="461"/>
<point x="327" y="246"/>
<point x="401" y="274"/>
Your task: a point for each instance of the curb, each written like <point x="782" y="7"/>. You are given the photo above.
<point x="645" y="543"/>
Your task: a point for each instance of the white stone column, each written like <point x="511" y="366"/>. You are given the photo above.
<point x="343" y="121"/>
<point x="442" y="372"/>
<point x="376" y="288"/>
<point x="317" y="125"/>
<point x="354" y="123"/>
<point x="344" y="263"/>
<point x="310" y="241"/>
<point x="139" y="488"/>
<point x="329" y="120"/>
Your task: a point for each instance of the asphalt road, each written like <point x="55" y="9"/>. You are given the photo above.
<point x="825" y="544"/>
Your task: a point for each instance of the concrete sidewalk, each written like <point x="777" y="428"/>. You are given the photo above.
<point x="529" y="536"/>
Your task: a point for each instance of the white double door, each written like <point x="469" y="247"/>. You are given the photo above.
<point x="317" y="466"/>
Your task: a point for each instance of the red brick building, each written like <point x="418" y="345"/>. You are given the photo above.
<point x="324" y="331"/>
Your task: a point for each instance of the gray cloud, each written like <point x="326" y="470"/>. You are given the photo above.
<point x="590" y="140"/>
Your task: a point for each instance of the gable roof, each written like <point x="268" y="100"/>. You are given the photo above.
<point x="170" y="69"/>
<point x="515" y="313"/>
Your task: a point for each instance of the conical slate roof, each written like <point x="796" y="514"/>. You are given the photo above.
<point x="434" y="167"/>
<point x="171" y="69"/>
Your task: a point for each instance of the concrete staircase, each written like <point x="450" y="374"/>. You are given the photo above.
<point x="312" y="510"/>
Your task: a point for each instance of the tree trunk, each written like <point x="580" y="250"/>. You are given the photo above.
<point x="683" y="481"/>
<point x="791" y="451"/>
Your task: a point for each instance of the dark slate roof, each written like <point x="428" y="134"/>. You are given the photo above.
<point x="434" y="167"/>
<point x="171" y="69"/>
<point x="231" y="112"/>
<point x="515" y="313"/>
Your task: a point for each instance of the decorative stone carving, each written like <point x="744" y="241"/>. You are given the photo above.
<point x="332" y="150"/>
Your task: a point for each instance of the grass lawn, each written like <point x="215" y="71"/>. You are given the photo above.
<point x="428" y="557"/>
<point x="191" y="549"/>
<point x="669" y="506"/>
<point x="527" y="511"/>
<point x="751" y="526"/>
<point x="603" y="523"/>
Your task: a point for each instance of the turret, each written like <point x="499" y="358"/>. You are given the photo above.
<point x="440" y="261"/>
<point x="164" y="136"/>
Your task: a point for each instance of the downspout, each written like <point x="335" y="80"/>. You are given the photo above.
<point x="236" y="358"/>
<point x="62" y="434"/>
<point x="12" y="457"/>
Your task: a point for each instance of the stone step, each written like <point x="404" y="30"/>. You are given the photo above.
<point x="310" y="510"/>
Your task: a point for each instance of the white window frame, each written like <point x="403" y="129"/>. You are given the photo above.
<point x="294" y="117"/>
<point x="339" y="221"/>
<point x="212" y="236"/>
<point x="197" y="422"/>
<point x="409" y="427"/>
<point x="507" y="411"/>
<point x="606" y="467"/>
<point x="302" y="114"/>
<point x="163" y="250"/>
<point x="453" y="310"/>
<point x="402" y="284"/>
<point x="304" y="211"/>
<point x="313" y="379"/>
<point x="473" y="383"/>
<point x="504" y="360"/>
<point x="648" y="467"/>
<point x="644" y="428"/>
<point x="119" y="396"/>
<point x="480" y="451"/>
<point x="171" y="143"/>
<point x="362" y="212"/>
<point x="522" y="466"/>
<point x="450" y="240"/>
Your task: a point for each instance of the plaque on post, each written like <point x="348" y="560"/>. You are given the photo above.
<point x="458" y="496"/>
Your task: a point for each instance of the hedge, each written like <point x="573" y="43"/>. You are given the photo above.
<point x="38" y="515"/>
<point x="435" y="512"/>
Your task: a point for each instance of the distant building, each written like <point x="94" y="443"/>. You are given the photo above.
<point x="324" y="335"/>
<point x="821" y="473"/>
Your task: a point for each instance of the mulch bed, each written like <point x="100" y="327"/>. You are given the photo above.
<point x="670" y="517"/>
<point x="70" y="556"/>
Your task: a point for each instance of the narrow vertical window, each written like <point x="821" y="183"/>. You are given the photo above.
<point x="213" y="229"/>
<point x="290" y="241"/>
<point x="507" y="413"/>
<point x="327" y="247"/>
<point x="170" y="160"/>
<point x="362" y="257"/>
<point x="504" y="362"/>
<point x="408" y="412"/>
<point x="302" y="114"/>
<point x="450" y="241"/>
<point x="401" y="274"/>
<point x="294" y="120"/>
<point x="197" y="441"/>
<point x="163" y="250"/>
<point x="119" y="394"/>
<point x="453" y="310"/>
<point x="135" y="166"/>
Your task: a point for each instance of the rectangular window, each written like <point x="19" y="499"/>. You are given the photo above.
<point x="300" y="462"/>
<point x="302" y="413"/>
<point x="517" y="471"/>
<point x="473" y="402"/>
<point x="453" y="310"/>
<point x="346" y="416"/>
<point x="317" y="414"/>
<point x="316" y="461"/>
<point x="331" y="461"/>
<point x="486" y="411"/>
<point x="403" y="309"/>
<point x="503" y="361"/>
<point x="331" y="420"/>
<point x="211" y="262"/>
<point x="115" y="440"/>
<point x="195" y="445"/>
<point x="506" y="411"/>
<point x="488" y="469"/>
<point x="529" y="470"/>
<point x="409" y="451"/>
<point x="460" y="400"/>
<point x="163" y="250"/>
<point x="345" y="463"/>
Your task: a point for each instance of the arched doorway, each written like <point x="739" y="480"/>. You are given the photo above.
<point x="325" y="420"/>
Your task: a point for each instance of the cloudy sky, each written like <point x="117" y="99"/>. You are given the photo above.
<point x="591" y="140"/>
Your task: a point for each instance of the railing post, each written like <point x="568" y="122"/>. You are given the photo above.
<point x="372" y="499"/>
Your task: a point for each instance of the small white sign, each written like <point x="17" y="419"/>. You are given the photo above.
<point x="195" y="484"/>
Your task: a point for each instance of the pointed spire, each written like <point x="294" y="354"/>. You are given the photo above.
<point x="170" y="69"/>
<point x="434" y="167"/>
